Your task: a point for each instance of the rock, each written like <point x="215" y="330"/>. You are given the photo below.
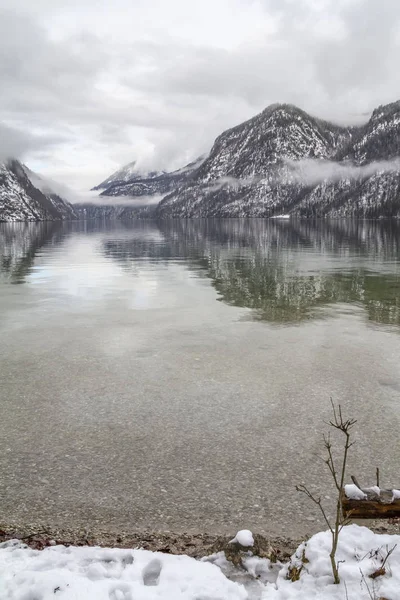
<point x="235" y="552"/>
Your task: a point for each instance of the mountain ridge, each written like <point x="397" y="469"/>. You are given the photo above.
<point x="21" y="200"/>
<point x="257" y="169"/>
<point x="157" y="183"/>
<point x="126" y="174"/>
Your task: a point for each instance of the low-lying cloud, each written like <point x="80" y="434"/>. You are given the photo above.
<point x="134" y="202"/>
<point x="313" y="171"/>
<point x="309" y="172"/>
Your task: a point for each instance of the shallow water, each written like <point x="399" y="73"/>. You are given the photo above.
<point x="177" y="375"/>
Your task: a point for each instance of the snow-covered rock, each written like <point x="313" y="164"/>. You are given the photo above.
<point x="244" y="538"/>
<point x="353" y="492"/>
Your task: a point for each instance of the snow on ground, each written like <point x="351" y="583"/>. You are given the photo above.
<point x="114" y="574"/>
<point x="108" y="574"/>
<point x="362" y="551"/>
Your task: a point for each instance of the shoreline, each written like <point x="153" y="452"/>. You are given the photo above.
<point x="197" y="545"/>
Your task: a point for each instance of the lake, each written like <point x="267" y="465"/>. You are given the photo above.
<point x="177" y="375"/>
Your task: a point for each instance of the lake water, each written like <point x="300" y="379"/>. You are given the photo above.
<point x="177" y="375"/>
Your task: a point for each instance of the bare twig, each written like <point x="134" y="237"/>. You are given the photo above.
<point x="317" y="501"/>
<point x="389" y="552"/>
<point x="329" y="461"/>
<point x="344" y="426"/>
<point x="345" y="589"/>
<point x="363" y="580"/>
<point x="31" y="535"/>
<point x="355" y="481"/>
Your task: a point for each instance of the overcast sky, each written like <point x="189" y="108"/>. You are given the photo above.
<point x="88" y="85"/>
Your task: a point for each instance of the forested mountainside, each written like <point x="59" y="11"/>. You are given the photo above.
<point x="20" y="200"/>
<point x="285" y="162"/>
<point x="117" y="211"/>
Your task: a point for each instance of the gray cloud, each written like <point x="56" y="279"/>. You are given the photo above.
<point x="39" y="74"/>
<point x="15" y="142"/>
<point x="318" y="58"/>
<point x="157" y="82"/>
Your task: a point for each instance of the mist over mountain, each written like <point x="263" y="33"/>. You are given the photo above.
<point x="281" y="162"/>
<point x="22" y="200"/>
<point x="126" y="175"/>
<point x="130" y="182"/>
<point x="134" y="194"/>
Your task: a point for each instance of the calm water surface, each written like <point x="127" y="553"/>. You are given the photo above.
<point x="177" y="375"/>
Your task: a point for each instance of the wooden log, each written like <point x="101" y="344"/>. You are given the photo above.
<point x="373" y="506"/>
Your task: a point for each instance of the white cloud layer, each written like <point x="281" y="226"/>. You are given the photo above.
<point x="312" y="172"/>
<point x="88" y="85"/>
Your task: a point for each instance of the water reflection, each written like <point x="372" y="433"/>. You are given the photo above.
<point x="286" y="272"/>
<point x="19" y="244"/>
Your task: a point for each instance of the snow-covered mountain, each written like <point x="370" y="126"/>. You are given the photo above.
<point x="128" y="182"/>
<point x="22" y="200"/>
<point x="127" y="174"/>
<point x="370" y="185"/>
<point x="283" y="161"/>
<point x="143" y="189"/>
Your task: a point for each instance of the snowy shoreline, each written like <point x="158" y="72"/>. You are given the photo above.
<point x="193" y="543"/>
<point x="95" y="573"/>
